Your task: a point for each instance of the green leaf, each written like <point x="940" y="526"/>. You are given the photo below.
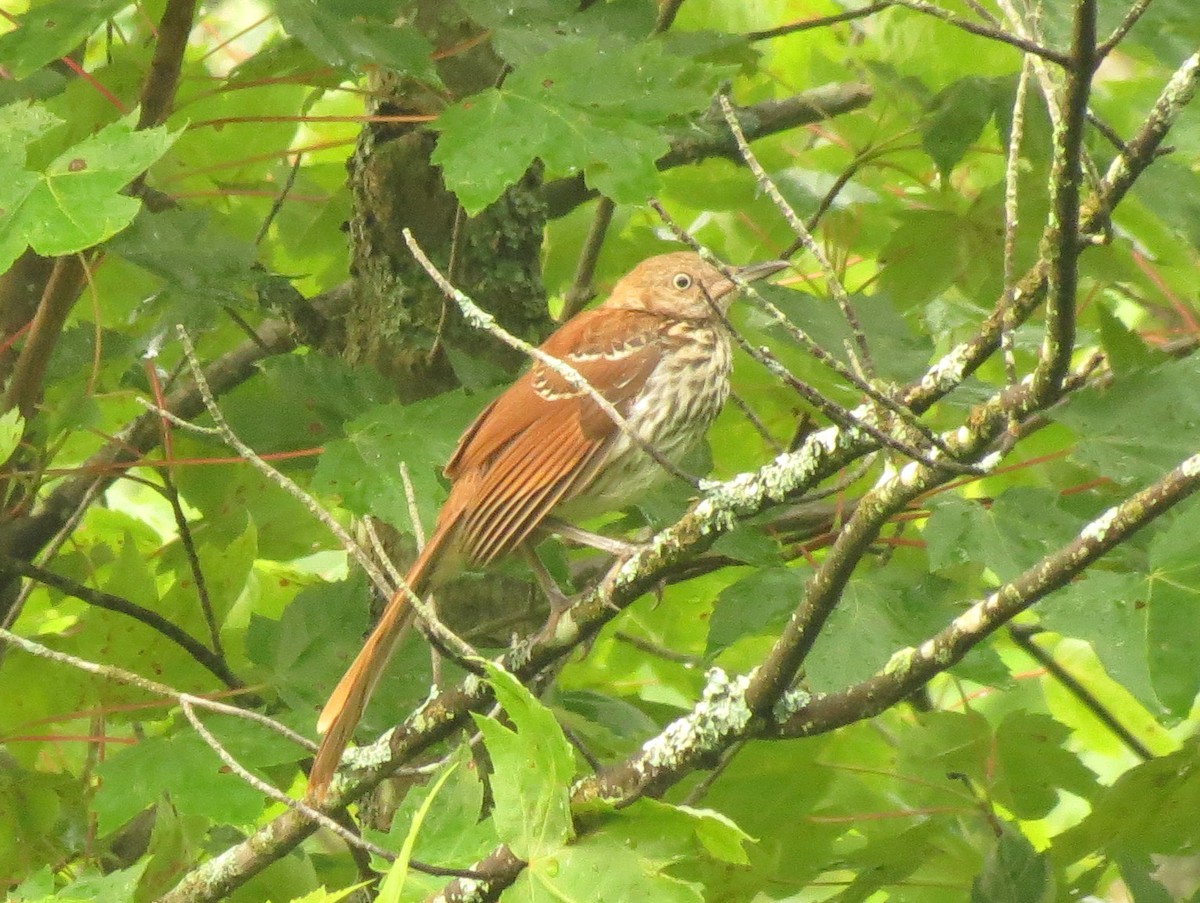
<point x="303" y="653"/>
<point x="721" y="837"/>
<point x="77" y="201"/>
<point x="302" y="402"/>
<point x="363" y="470"/>
<point x="1021" y="526"/>
<point x="1033" y="765"/>
<point x="528" y="29"/>
<point x="1149" y="809"/>
<point x="1140" y="426"/>
<point x="1174" y="611"/>
<point x="20" y="125"/>
<point x="956" y="119"/>
<point x="393" y="881"/>
<point x="758" y="603"/>
<point x="1014" y="872"/>
<point x="1109" y="611"/>
<point x="925" y="253"/>
<point x="184" y="768"/>
<point x="1123" y="347"/>
<point x="533" y="765"/>
<point x="52" y="30"/>
<point x="356" y="32"/>
<point x="203" y="265"/>
<point x="12" y="428"/>
<point x="600" y="867"/>
<point x="581" y="106"/>
<point x="453" y="830"/>
<point x="880" y="611"/>
<point x="321" y="895"/>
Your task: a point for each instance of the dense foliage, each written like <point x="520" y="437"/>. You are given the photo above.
<point x="943" y="647"/>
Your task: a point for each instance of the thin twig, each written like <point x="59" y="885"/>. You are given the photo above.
<point x="833" y="282"/>
<point x="818" y="22"/>
<point x="230" y="438"/>
<point x="1012" y="173"/>
<point x="455" y="646"/>
<point x="658" y="651"/>
<point x="697" y="793"/>
<point x="1018" y="40"/>
<point x="1046" y="81"/>
<point x="121" y="676"/>
<point x="1022" y="635"/>
<point x="581" y="290"/>
<point x="185" y="703"/>
<point x="410" y="498"/>
<point x="1132" y="15"/>
<point x="171" y="493"/>
<point x="277" y="204"/>
<point x="753" y="419"/>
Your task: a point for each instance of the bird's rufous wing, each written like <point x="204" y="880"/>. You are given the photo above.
<point x="542" y="440"/>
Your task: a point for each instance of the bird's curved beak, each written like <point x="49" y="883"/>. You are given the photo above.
<point x="755" y="271"/>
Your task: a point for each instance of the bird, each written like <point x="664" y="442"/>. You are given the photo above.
<point x="545" y="452"/>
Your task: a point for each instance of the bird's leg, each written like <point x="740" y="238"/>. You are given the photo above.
<point x="559" y="601"/>
<point x="618" y="548"/>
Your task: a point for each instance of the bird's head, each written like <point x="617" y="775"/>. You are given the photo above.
<point x="682" y="285"/>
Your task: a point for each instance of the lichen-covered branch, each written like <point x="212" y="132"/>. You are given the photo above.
<point x="912" y="668"/>
<point x="1062" y="245"/>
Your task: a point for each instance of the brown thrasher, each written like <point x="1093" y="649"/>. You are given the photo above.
<point x="656" y="349"/>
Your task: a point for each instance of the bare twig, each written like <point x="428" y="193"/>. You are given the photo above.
<point x="832" y="280"/>
<point x="171" y="493"/>
<point x="753" y="419"/>
<point x="455" y="645"/>
<point x="229" y="437"/>
<point x="987" y="31"/>
<point x="704" y="139"/>
<point x="581" y="291"/>
<point x="817" y="22"/>
<point x="121" y="676"/>
<point x="210" y="660"/>
<point x="1132" y="15"/>
<point x="913" y="667"/>
<point x="1023" y="636"/>
<point x="185" y="703"/>
<point x="1012" y="172"/>
<point x="410" y="499"/>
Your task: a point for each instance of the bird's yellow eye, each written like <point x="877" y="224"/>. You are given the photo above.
<point x="681" y="281"/>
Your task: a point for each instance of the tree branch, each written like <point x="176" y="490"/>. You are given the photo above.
<point x="152" y="619"/>
<point x="709" y="137"/>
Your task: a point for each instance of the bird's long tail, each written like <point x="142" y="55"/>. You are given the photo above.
<point x="349" y="698"/>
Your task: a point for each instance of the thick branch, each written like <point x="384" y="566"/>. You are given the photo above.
<point x="1066" y="175"/>
<point x="158" y="92"/>
<point x="58" y="298"/>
